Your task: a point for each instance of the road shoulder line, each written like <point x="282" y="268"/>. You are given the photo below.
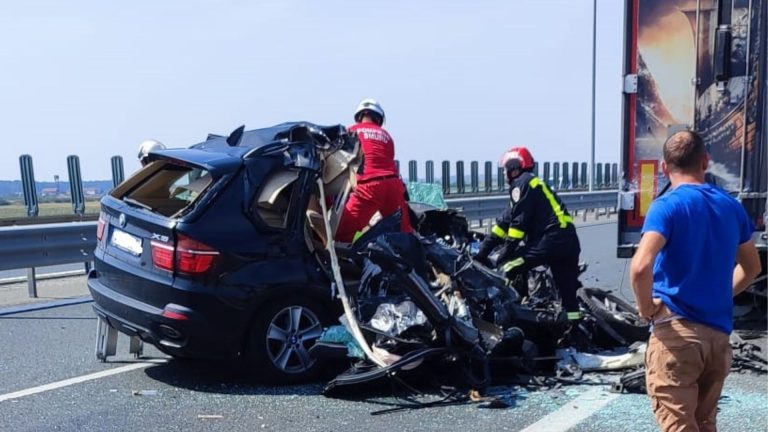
<point x="77" y="380"/>
<point x="574" y="412"/>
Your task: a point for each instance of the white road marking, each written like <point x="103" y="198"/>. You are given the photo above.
<point x="574" y="412"/>
<point x="80" y="379"/>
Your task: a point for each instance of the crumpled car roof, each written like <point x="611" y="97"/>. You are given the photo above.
<point x="216" y="154"/>
<point x="256" y="138"/>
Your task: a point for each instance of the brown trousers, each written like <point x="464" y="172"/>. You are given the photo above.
<point x="686" y="365"/>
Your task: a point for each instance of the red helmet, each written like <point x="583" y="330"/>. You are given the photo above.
<point x="516" y="158"/>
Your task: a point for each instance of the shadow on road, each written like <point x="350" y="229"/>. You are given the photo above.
<point x="389" y="395"/>
<point x="220" y="377"/>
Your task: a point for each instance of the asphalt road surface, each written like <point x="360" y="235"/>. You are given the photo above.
<point x="50" y="380"/>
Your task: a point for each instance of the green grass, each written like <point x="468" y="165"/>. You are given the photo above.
<point x="19" y="210"/>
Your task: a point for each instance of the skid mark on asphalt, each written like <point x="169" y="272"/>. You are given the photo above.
<point x="80" y="379"/>
<point x="574" y="412"/>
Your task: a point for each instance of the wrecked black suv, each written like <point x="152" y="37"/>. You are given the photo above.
<point x="225" y="250"/>
<point x="213" y="251"/>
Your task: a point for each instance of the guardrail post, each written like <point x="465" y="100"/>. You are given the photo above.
<point x="545" y="176"/>
<point x="501" y="179"/>
<point x="118" y="175"/>
<point x="575" y="175"/>
<point x="31" y="282"/>
<point x="446" y="177"/>
<point x="76" y="185"/>
<point x="460" y="177"/>
<point x="28" y="185"/>
<point x="430" y="171"/>
<point x="615" y="175"/>
<point x="584" y="183"/>
<point x="556" y="176"/>
<point x="488" y="173"/>
<point x="413" y="175"/>
<point x="607" y="176"/>
<point x="474" y="177"/>
<point x="536" y="169"/>
<point x="397" y="166"/>
<point x="566" y="178"/>
<point x="599" y="176"/>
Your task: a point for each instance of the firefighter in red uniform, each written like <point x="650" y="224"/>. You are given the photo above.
<point x="538" y="216"/>
<point x="379" y="186"/>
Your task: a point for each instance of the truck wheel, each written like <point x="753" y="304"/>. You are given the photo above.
<point x="616" y="313"/>
<point x="278" y="345"/>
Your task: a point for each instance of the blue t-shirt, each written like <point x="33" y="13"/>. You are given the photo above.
<point x="693" y="274"/>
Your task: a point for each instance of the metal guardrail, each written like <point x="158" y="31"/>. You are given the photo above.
<point x="46" y="245"/>
<point x="560" y="176"/>
<point x="479" y="208"/>
<point x="48" y="219"/>
<point x="66" y="243"/>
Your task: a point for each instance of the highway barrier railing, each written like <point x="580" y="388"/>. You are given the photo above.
<point x="34" y="246"/>
<point x="454" y="178"/>
<point x="43" y="240"/>
<point x="486" y="207"/>
<point x="31" y="246"/>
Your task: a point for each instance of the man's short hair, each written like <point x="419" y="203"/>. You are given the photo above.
<point x="684" y="150"/>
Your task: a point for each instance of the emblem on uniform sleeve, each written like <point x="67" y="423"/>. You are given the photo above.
<point x="516" y="194"/>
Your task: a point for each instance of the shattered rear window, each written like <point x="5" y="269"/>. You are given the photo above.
<point x="169" y="189"/>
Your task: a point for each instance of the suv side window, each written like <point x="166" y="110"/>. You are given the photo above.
<point x="272" y="203"/>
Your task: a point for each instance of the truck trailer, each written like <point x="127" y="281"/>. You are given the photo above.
<point x="695" y="65"/>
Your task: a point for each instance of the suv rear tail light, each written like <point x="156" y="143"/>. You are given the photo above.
<point x="162" y="255"/>
<point x="189" y="256"/>
<point x="194" y="257"/>
<point x="100" y="227"/>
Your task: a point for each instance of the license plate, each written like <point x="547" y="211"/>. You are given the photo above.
<point x="123" y="240"/>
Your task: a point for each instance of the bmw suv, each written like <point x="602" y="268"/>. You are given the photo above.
<point x="216" y="251"/>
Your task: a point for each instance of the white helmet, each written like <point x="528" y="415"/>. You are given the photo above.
<point x="372" y="106"/>
<point x="148" y="146"/>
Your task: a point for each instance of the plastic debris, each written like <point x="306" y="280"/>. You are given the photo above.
<point x="209" y="416"/>
<point x="606" y="360"/>
<point x="427" y="193"/>
<point x="145" y="393"/>
<point x="340" y="334"/>
<point x="630" y="382"/>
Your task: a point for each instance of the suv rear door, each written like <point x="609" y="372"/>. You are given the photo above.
<point x="137" y="234"/>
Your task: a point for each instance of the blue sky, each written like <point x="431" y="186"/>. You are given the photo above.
<point x="458" y="79"/>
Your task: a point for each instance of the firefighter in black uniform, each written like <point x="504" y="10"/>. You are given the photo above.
<point x="538" y="216"/>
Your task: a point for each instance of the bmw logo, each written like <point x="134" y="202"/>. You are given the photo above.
<point x="121" y="220"/>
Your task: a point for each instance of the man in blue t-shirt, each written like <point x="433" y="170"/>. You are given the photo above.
<point x="684" y="280"/>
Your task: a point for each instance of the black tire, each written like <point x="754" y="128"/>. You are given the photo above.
<point x="282" y="331"/>
<point x="616" y="313"/>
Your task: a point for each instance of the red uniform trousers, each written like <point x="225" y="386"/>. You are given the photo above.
<point x="383" y="195"/>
